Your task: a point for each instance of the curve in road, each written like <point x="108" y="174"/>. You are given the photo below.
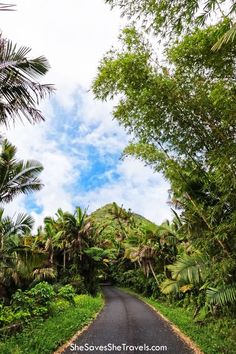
<point x="128" y="325"/>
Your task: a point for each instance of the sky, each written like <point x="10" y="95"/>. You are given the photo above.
<point x="79" y="144"/>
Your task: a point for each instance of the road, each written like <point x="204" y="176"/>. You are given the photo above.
<point x="127" y="325"/>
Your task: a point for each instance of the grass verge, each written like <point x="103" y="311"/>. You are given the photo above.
<point x="44" y="337"/>
<point x="217" y="336"/>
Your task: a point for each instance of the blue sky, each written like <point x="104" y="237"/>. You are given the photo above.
<point x="80" y="144"/>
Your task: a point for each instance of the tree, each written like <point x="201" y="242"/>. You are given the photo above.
<point x="69" y="242"/>
<point x="182" y="118"/>
<point x="17" y="176"/>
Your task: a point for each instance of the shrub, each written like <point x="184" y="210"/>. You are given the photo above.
<point x="67" y="292"/>
<point x="35" y="303"/>
<point x="22" y="301"/>
<point x="42" y="293"/>
<point x="6" y="315"/>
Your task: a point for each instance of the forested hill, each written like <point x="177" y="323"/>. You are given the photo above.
<point x="113" y="221"/>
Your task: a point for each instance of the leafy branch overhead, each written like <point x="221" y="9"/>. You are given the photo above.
<point x="171" y="19"/>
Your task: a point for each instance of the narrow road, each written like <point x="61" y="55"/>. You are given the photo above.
<point x="125" y="324"/>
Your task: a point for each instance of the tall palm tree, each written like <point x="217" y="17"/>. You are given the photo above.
<point x="76" y="234"/>
<point x="20" y="92"/>
<point x="17" y="176"/>
<point x="143" y="247"/>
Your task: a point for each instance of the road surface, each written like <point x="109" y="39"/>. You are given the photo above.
<point x="127" y="325"/>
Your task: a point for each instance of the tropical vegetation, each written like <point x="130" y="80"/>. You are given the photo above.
<point x="179" y="107"/>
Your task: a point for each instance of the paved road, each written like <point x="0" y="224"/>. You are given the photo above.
<point x="127" y="320"/>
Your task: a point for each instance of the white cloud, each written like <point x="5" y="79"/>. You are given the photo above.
<point x="96" y="126"/>
<point x="137" y="188"/>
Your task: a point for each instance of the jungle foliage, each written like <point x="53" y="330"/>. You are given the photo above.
<point x="179" y="106"/>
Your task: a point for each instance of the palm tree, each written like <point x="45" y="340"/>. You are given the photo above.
<point x="17" y="176"/>
<point x="19" y="92"/>
<point x="143" y="247"/>
<point x="8" y="226"/>
<point x="51" y="235"/>
<point x="66" y="235"/>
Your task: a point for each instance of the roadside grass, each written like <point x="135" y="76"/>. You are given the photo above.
<point x="45" y="336"/>
<point x="215" y="336"/>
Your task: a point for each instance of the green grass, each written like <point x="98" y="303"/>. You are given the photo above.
<point x="44" y="337"/>
<point x="217" y="336"/>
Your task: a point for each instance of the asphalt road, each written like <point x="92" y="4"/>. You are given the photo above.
<point x="124" y="324"/>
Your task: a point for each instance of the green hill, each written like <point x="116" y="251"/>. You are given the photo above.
<point x="114" y="222"/>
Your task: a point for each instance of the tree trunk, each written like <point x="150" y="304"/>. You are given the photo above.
<point x="64" y="259"/>
<point x="153" y="273"/>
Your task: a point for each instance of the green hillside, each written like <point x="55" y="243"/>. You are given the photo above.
<point x="114" y="223"/>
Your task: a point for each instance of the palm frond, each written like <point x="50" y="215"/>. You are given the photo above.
<point x="170" y="286"/>
<point x="189" y="268"/>
<point x="17" y="176"/>
<point x="44" y="273"/>
<point x="24" y="222"/>
<point x="226" y="38"/>
<point x="221" y="296"/>
<point x="19" y="93"/>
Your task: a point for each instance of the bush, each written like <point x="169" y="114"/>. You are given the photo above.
<point x="22" y="301"/>
<point x="42" y="293"/>
<point x="6" y="315"/>
<point x="67" y="292"/>
<point x="36" y="303"/>
<point x="27" y="304"/>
